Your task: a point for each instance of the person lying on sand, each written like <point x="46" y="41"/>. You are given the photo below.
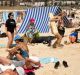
<point x="13" y="66"/>
<point x="8" y="67"/>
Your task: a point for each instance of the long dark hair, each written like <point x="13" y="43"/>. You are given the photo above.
<point x="20" y="40"/>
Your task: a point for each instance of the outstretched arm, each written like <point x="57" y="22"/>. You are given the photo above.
<point x="4" y="61"/>
<point x="77" y="29"/>
<point x="56" y="18"/>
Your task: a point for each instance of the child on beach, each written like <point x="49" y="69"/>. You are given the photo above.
<point x="74" y="35"/>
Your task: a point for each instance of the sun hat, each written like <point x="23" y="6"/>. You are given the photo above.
<point x="17" y="37"/>
<point x="20" y="71"/>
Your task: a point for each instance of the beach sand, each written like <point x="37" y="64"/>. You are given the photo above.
<point x="69" y="53"/>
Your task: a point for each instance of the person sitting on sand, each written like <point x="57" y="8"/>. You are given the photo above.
<point x="21" y="52"/>
<point x="31" y="30"/>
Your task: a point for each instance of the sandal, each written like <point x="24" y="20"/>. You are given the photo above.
<point x="57" y="65"/>
<point x="65" y="64"/>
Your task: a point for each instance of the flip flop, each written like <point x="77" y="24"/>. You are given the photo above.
<point x="65" y="64"/>
<point x="56" y="65"/>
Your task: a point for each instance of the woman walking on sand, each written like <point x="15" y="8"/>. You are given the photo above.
<point x="10" y="26"/>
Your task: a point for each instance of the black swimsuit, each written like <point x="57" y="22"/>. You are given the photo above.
<point x="10" y="24"/>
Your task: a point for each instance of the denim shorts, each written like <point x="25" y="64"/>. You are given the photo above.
<point x="24" y="53"/>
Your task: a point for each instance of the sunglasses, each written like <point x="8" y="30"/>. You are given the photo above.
<point x="12" y="15"/>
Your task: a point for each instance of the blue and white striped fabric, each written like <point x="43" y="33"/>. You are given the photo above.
<point x="5" y="16"/>
<point x="40" y="14"/>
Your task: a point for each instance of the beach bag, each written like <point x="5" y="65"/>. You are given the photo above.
<point x="36" y="35"/>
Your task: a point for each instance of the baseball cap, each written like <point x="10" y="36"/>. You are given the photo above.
<point x="17" y="37"/>
<point x="20" y="70"/>
<point x="32" y="20"/>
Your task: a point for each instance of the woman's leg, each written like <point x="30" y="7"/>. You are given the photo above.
<point x="19" y="57"/>
<point x="10" y="39"/>
<point x="58" y="41"/>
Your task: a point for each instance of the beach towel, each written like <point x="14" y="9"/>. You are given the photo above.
<point x="46" y="60"/>
<point x="3" y="45"/>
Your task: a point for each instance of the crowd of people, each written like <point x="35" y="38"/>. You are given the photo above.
<point x="18" y="54"/>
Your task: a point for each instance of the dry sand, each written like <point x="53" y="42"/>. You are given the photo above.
<point x="70" y="53"/>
